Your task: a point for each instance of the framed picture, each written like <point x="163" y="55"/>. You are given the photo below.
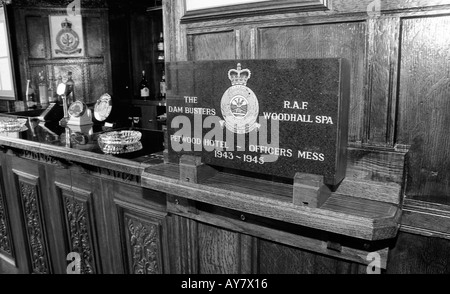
<point x="66" y="34"/>
<point x="199" y="10"/>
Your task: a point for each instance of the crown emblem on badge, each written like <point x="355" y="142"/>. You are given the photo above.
<point x="66" y="24"/>
<point x="239" y="76"/>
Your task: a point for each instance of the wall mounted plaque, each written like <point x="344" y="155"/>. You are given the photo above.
<point x="66" y="33"/>
<point x="275" y="117"/>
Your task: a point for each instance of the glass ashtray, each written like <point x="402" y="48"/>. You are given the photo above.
<point x="13" y="125"/>
<point x="120" y="149"/>
<point x="119" y="138"/>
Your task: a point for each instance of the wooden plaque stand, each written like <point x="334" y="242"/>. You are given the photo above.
<point x="308" y="189"/>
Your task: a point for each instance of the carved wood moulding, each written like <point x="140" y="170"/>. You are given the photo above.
<point x="143" y="245"/>
<point x="5" y="242"/>
<point x="34" y="229"/>
<point x="116" y="175"/>
<point x="122" y="176"/>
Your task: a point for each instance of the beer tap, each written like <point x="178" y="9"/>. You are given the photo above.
<point x="61" y="91"/>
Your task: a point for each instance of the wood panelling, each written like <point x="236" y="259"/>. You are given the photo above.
<point x="182" y="233"/>
<point x="220" y="251"/>
<point x="279" y="259"/>
<point x="383" y="47"/>
<point x="415" y="254"/>
<point x="211" y="46"/>
<point x="400" y="72"/>
<point x="346" y="40"/>
<point x="36" y="37"/>
<point x="424" y="106"/>
<point x="94" y="80"/>
<point x="95" y="33"/>
<point x="425" y="218"/>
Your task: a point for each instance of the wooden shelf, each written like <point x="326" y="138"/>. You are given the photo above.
<point x="360" y="208"/>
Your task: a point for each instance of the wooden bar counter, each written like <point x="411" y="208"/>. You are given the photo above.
<point x="134" y="213"/>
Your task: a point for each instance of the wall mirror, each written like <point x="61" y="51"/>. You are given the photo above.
<point x="7" y="86"/>
<point x="199" y="10"/>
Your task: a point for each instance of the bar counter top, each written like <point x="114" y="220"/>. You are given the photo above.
<point x="80" y="144"/>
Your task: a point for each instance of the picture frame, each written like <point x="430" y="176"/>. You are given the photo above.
<point x="197" y="10"/>
<point x="66" y="35"/>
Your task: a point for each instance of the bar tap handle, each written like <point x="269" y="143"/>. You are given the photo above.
<point x="65" y="107"/>
<point x="61" y="91"/>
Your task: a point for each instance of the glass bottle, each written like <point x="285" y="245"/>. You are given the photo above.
<point x="143" y="87"/>
<point x="161" y="56"/>
<point x="30" y="95"/>
<point x="51" y="91"/>
<point x="70" y="85"/>
<point x="160" y="45"/>
<point x="43" y="91"/>
<point x="162" y="86"/>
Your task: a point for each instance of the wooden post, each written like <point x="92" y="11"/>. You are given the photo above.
<point x="310" y="190"/>
<point x="193" y="170"/>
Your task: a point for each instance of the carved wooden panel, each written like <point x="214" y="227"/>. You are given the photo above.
<point x="142" y="237"/>
<point x="346" y="40"/>
<point x="34" y="225"/>
<point x="5" y="236"/>
<point x="212" y="46"/>
<point x="80" y="226"/>
<point x="96" y="81"/>
<point x="424" y="106"/>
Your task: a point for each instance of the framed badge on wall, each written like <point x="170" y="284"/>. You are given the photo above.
<point x="66" y="33"/>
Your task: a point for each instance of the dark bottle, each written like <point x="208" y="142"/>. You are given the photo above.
<point x="30" y="95"/>
<point x="143" y="87"/>
<point x="70" y="85"/>
<point x="162" y="86"/>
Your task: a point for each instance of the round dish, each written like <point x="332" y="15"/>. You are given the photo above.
<point x="102" y="108"/>
<point x="13" y="125"/>
<point x="120" y="149"/>
<point x="120" y="138"/>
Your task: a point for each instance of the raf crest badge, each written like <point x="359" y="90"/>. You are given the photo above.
<point x="67" y="39"/>
<point x="239" y="105"/>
